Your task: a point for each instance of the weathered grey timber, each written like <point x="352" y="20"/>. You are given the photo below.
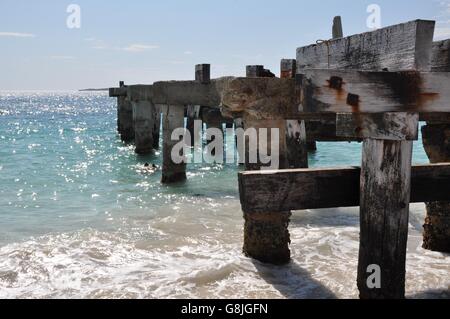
<point x="193" y="114"/>
<point x="146" y="118"/>
<point x="436" y="140"/>
<point x="296" y="137"/>
<point x="261" y="98"/>
<point x="404" y="46"/>
<point x="213" y="119"/>
<point x="203" y="76"/>
<point x="337" y="28"/>
<point x="384" y="215"/>
<point x="266" y="235"/>
<point x="258" y="71"/>
<point x="203" y="73"/>
<point x="190" y="92"/>
<point x="374" y="92"/>
<point x="124" y="113"/>
<point x="385" y="126"/>
<point x="299" y="189"/>
<point x="440" y="61"/>
<point x="172" y="118"/>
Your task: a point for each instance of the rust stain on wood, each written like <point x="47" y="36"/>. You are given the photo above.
<point x="408" y="88"/>
<point x="353" y="100"/>
<point x="335" y="82"/>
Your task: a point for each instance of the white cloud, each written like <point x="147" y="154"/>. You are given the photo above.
<point x="17" y="35"/>
<point x="188" y="52"/>
<point x="140" y="47"/>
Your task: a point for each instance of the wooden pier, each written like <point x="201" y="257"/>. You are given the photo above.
<point x="372" y="88"/>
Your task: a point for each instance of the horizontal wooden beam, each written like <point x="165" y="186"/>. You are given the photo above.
<point x="116" y="92"/>
<point x="190" y="92"/>
<point x="440" y="56"/>
<point x="374" y="92"/>
<point x="140" y="92"/>
<point x="385" y="126"/>
<point x="405" y="46"/>
<point x="285" y="190"/>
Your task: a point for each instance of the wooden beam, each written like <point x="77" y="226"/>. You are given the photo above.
<point x="190" y="92"/>
<point x="116" y="92"/>
<point x="440" y="56"/>
<point x="404" y="46"/>
<point x="374" y="92"/>
<point x="385" y="126"/>
<point x="298" y="189"/>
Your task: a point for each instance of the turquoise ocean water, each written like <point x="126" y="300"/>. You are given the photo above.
<point x="81" y="217"/>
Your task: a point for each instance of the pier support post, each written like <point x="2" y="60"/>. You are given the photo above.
<point x="145" y="118"/>
<point x="239" y="125"/>
<point x="384" y="213"/>
<point x="266" y="235"/>
<point x="173" y="118"/>
<point x="125" y="117"/>
<point x="213" y="119"/>
<point x="156" y="125"/>
<point x="202" y="75"/>
<point x="337" y="28"/>
<point x="193" y="114"/>
<point x="436" y="140"/>
<point x="296" y="147"/>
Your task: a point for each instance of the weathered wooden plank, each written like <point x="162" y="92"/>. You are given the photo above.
<point x="297" y="189"/>
<point x="405" y="46"/>
<point x="384" y="215"/>
<point x="385" y="126"/>
<point x="374" y="92"/>
<point x="190" y="92"/>
<point x="440" y="56"/>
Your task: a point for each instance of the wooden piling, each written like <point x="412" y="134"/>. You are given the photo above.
<point x="173" y="118"/>
<point x="436" y="140"/>
<point x="124" y="116"/>
<point x="384" y="213"/>
<point x="337" y="28"/>
<point x="202" y="75"/>
<point x="213" y="119"/>
<point x="266" y="235"/>
<point x="296" y="148"/>
<point x="146" y="118"/>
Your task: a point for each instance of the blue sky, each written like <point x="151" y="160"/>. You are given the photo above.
<point x="146" y="41"/>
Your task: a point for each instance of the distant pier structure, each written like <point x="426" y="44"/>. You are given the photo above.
<point x="372" y="88"/>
